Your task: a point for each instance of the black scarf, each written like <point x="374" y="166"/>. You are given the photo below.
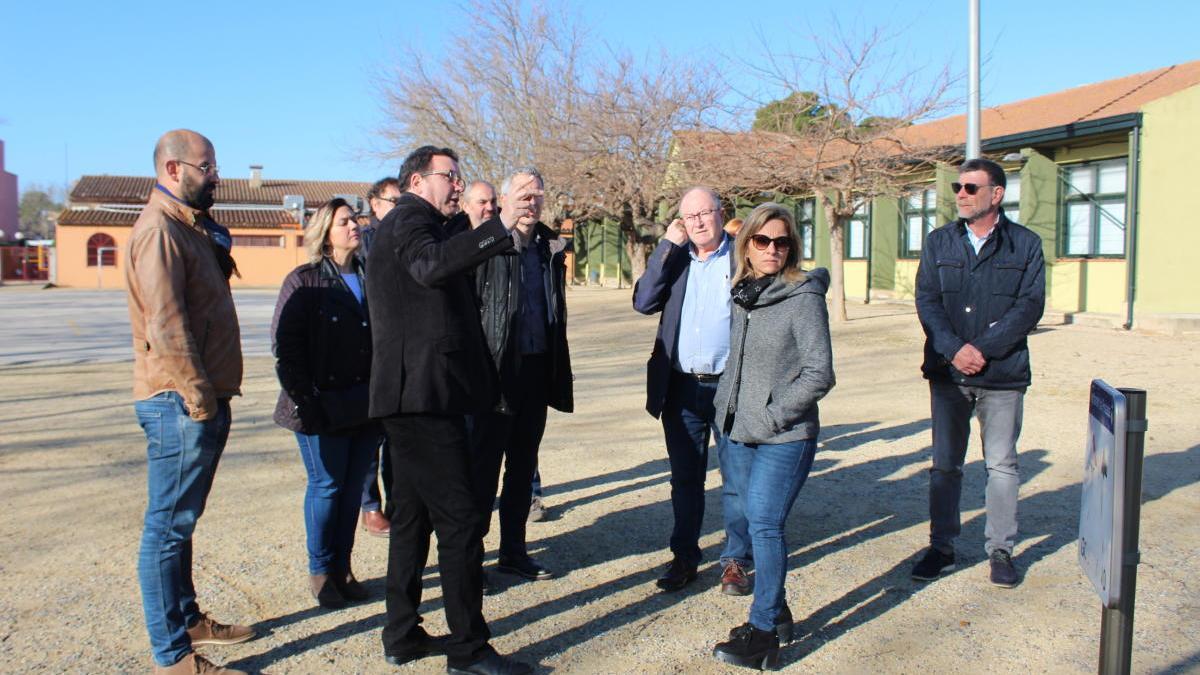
<point x="746" y="292"/>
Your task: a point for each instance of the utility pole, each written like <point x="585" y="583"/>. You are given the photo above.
<point x="973" y="83"/>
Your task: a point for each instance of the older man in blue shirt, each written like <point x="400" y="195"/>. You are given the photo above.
<point x="687" y="279"/>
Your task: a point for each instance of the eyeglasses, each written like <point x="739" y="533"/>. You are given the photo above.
<point x="695" y="217"/>
<point x="971" y="188"/>
<point x="762" y="241"/>
<point x="204" y="167"/>
<point x="453" y="176"/>
<point x="393" y="200"/>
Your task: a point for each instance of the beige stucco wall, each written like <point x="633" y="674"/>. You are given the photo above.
<point x="1087" y="285"/>
<point x="856" y="278"/>
<point x="906" y="278"/>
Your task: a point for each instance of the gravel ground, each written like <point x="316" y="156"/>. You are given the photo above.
<point x="72" y="475"/>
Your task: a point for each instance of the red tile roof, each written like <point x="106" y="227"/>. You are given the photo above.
<point x="233" y="218"/>
<point x="136" y="190"/>
<point x="1098" y="101"/>
<point x="1079" y="104"/>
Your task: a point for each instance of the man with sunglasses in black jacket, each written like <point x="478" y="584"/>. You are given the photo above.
<point x="981" y="289"/>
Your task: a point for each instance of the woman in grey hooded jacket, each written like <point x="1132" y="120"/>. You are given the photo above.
<point x="780" y="364"/>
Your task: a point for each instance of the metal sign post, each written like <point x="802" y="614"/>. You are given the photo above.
<point x="1116" y="623"/>
<point x="1109" y="515"/>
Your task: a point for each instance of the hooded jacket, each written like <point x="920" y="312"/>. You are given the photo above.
<point x="780" y="364"/>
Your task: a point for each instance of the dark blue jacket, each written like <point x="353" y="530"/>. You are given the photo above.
<point x="661" y="289"/>
<point x="992" y="301"/>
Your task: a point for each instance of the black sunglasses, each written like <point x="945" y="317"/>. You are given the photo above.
<point x="971" y="188"/>
<point x="762" y="241"/>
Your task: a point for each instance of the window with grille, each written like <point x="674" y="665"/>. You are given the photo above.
<point x="805" y="222"/>
<point x="101" y="250"/>
<point x="259" y="240"/>
<point x="857" y="233"/>
<point x="1094" y="209"/>
<point x="920" y="217"/>
<point x="1012" y="195"/>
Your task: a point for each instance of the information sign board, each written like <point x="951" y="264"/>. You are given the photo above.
<point x="1102" y="505"/>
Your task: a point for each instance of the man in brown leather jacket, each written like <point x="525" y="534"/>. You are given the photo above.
<point x="187" y="364"/>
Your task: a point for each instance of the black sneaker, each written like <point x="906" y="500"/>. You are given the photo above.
<point x="418" y="645"/>
<point x="933" y="565"/>
<point x="1004" y="574"/>
<point x="492" y="664"/>
<point x="678" y="575"/>
<point x="524" y="567"/>
<point x="749" y="647"/>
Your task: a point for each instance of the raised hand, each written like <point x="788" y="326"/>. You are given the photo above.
<point x="521" y="203"/>
<point x="677" y="233"/>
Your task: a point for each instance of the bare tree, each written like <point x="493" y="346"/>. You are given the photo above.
<point x="519" y="86"/>
<point x="861" y="146"/>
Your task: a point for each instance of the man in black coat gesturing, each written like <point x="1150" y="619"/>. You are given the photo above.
<point x="430" y="368"/>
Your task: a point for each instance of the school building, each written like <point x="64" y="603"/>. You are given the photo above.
<point x="265" y="218"/>
<point x="1096" y="171"/>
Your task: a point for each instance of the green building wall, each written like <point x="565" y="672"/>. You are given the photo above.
<point x="1168" y="241"/>
<point x="599" y="249"/>
<point x="1165" y="243"/>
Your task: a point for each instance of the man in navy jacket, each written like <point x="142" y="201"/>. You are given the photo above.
<point x="687" y="279"/>
<point x="981" y="289"/>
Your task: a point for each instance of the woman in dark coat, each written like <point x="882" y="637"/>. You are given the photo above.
<point x="322" y="343"/>
<point x="780" y="364"/>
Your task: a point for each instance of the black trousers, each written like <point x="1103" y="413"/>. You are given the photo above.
<point x="431" y="492"/>
<point x="514" y="439"/>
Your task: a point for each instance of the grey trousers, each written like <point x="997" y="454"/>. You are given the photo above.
<point x="999" y="412"/>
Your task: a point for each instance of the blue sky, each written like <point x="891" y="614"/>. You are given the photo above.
<point x="86" y="87"/>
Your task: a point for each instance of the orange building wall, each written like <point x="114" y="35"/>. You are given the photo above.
<point x="259" y="266"/>
<point x="262" y="266"/>
<point x="70" y="246"/>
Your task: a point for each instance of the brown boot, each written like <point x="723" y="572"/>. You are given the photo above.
<point x="735" y="581"/>
<point x="193" y="664"/>
<point x="325" y="590"/>
<point x="209" y="632"/>
<point x="375" y="524"/>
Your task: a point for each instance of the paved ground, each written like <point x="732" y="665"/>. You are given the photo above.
<point x="72" y="491"/>
<point x="62" y="326"/>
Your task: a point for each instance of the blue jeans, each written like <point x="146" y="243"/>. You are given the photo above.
<point x="381" y="466"/>
<point x="687" y="420"/>
<point x="336" y="465"/>
<point x="182" y="456"/>
<point x="537" y="484"/>
<point x="768" y="477"/>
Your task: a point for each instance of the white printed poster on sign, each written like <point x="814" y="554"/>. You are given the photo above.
<point x="1102" y="503"/>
